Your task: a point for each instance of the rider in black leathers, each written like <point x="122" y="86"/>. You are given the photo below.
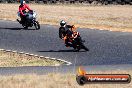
<point x="65" y="30"/>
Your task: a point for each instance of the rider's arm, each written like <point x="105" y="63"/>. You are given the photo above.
<point x="60" y="32"/>
<point x="69" y="26"/>
<point x="20" y="10"/>
<point x="27" y="7"/>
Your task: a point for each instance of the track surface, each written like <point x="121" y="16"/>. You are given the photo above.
<point x="41" y="70"/>
<point x="106" y="48"/>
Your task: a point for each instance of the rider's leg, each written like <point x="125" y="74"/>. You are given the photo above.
<point x="23" y="18"/>
<point x="67" y="43"/>
<point x="74" y="44"/>
<point x="20" y="21"/>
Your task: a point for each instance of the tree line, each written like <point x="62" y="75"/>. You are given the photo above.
<point x="90" y="2"/>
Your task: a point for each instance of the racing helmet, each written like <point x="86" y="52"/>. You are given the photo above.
<point x="22" y="2"/>
<point x="62" y="23"/>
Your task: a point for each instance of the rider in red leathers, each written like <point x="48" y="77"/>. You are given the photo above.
<point x="22" y="10"/>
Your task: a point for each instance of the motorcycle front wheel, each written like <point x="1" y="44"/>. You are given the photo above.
<point x="37" y="25"/>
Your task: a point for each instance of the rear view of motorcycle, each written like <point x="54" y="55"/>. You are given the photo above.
<point x="30" y="20"/>
<point x="78" y="44"/>
<point x="72" y="39"/>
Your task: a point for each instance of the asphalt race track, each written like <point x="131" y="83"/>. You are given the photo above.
<point x="106" y="47"/>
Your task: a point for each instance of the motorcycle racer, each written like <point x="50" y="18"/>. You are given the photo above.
<point x="67" y="32"/>
<point x="22" y="10"/>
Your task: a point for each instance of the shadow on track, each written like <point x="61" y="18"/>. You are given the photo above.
<point x="61" y="51"/>
<point x="16" y="28"/>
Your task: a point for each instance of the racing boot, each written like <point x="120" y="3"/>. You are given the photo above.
<point x="19" y="21"/>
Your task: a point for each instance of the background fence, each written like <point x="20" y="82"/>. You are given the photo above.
<point x="94" y="2"/>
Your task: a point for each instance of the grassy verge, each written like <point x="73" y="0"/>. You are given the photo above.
<point x="57" y="80"/>
<point x="10" y="59"/>
<point x="115" y="18"/>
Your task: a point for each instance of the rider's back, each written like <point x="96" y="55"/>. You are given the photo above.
<point x="64" y="31"/>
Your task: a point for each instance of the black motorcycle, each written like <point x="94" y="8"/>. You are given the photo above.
<point x="30" y="20"/>
<point x="77" y="43"/>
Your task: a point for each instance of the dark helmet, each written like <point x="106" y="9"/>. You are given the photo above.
<point x="62" y="23"/>
<point x="22" y="2"/>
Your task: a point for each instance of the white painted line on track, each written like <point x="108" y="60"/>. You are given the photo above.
<point x="67" y="63"/>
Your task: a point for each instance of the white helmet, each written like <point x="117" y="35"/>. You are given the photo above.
<point x="22" y="2"/>
<point x="62" y="23"/>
